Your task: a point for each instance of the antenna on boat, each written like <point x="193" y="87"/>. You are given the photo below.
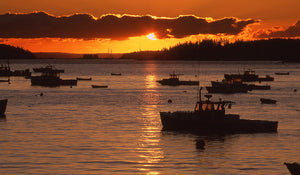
<point x="199" y="87"/>
<point x="199" y="94"/>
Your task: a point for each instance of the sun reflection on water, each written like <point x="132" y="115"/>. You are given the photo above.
<point x="149" y="145"/>
<point x="150" y="81"/>
<point x="149" y="148"/>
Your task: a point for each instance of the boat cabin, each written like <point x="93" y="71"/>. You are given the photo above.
<point x="249" y="72"/>
<point x="211" y="106"/>
<point x="174" y="76"/>
<point x="51" y="73"/>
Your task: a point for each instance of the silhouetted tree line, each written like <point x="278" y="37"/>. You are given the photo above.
<point x="11" y="52"/>
<point x="272" y="49"/>
<point x="90" y="56"/>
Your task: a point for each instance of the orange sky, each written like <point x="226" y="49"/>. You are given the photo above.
<point x="233" y="19"/>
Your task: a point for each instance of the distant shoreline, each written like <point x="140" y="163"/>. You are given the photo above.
<point x="284" y="50"/>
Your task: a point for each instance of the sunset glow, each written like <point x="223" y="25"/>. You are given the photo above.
<point x="69" y="27"/>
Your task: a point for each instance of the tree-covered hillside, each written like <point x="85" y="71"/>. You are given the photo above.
<point x="10" y="52"/>
<point x="273" y="49"/>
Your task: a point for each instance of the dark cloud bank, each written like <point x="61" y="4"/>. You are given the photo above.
<point x="40" y="25"/>
<point x="291" y="32"/>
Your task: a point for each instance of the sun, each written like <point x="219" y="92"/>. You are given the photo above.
<point x="151" y="36"/>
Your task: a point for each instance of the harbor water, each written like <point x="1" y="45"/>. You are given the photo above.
<point x="117" y="130"/>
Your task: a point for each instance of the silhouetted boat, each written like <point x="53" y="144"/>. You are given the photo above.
<point x="116" y="74"/>
<point x="5" y="80"/>
<point x="227" y="86"/>
<point x="6" y="72"/>
<point x="84" y="79"/>
<point x="209" y="117"/>
<point x="294" y="168"/>
<point x="248" y="76"/>
<point x="51" y="78"/>
<point x="47" y="68"/>
<point x="282" y="73"/>
<point x="258" y="87"/>
<point x="99" y="86"/>
<point x="268" y="101"/>
<point x="173" y="80"/>
<point x="3" y="104"/>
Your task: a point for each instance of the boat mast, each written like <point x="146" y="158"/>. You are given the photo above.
<point x="200" y="94"/>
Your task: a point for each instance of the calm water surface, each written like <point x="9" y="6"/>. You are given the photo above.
<point x="81" y="130"/>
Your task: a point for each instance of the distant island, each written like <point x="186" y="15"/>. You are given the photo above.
<point x="209" y="50"/>
<point x="11" y="52"/>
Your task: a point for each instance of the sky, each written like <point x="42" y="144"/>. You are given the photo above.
<point x="118" y="26"/>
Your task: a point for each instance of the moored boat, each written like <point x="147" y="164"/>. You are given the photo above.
<point x="116" y="74"/>
<point x="282" y="73"/>
<point x="47" y="68"/>
<point x="294" y="168"/>
<point x="173" y="80"/>
<point x="84" y="79"/>
<point x="209" y="117"/>
<point x="8" y="80"/>
<point x="5" y="71"/>
<point x="51" y="78"/>
<point x="227" y="87"/>
<point x="3" y="104"/>
<point x="267" y="101"/>
<point x="248" y="76"/>
<point x="99" y="86"/>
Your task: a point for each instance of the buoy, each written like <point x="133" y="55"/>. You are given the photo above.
<point x="169" y="101"/>
<point x="200" y="144"/>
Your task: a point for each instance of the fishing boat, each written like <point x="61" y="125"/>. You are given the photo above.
<point x="51" y="78"/>
<point x="47" y="68"/>
<point x="209" y="117"/>
<point x="294" y="168"/>
<point x="116" y="74"/>
<point x="84" y="79"/>
<point x="267" y="101"/>
<point x="3" y="104"/>
<point x="173" y="80"/>
<point x="227" y="87"/>
<point x="8" y="80"/>
<point x="99" y="86"/>
<point x="248" y="76"/>
<point x="5" y="71"/>
<point x="282" y="73"/>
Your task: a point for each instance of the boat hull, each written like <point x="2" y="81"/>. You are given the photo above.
<point x="3" y="104"/>
<point x="51" y="81"/>
<point x="226" y="90"/>
<point x="294" y="168"/>
<point x="258" y="87"/>
<point x="178" y="83"/>
<point x="282" y="73"/>
<point x="248" y="78"/>
<point x="83" y="79"/>
<point x="267" y="101"/>
<point x="99" y="86"/>
<point x="230" y="124"/>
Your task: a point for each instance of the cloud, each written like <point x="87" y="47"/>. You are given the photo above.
<point x="291" y="32"/>
<point x="115" y="27"/>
